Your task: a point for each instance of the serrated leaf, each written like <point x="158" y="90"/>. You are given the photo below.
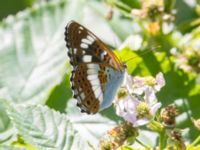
<point x="90" y="127"/>
<point x="32" y="56"/>
<point x="5" y="147"/>
<point x="42" y="127"/>
<point x="7" y="132"/>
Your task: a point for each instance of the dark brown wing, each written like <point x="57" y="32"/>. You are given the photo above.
<point x="89" y="58"/>
<point x="88" y="84"/>
<point x="84" y="46"/>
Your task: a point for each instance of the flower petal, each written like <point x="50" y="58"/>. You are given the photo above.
<point x="139" y="90"/>
<point x="160" y="81"/>
<point x="128" y="106"/>
<point x="154" y="108"/>
<point x="141" y="122"/>
<point x="138" y="81"/>
<point x="132" y="104"/>
<point x="150" y="97"/>
<point x="120" y="108"/>
<point x="128" y="82"/>
<point x="130" y="117"/>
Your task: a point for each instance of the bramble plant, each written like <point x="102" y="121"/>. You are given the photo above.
<point x="157" y="107"/>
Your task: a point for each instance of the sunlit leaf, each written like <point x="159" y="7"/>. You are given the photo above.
<point x="44" y="128"/>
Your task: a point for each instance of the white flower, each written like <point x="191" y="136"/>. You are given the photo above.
<point x="137" y="111"/>
<point x="137" y="85"/>
<point x="128" y="82"/>
<point x="140" y="104"/>
<point x="160" y="82"/>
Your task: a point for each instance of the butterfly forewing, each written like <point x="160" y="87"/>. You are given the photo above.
<point x="84" y="46"/>
<point x="89" y="58"/>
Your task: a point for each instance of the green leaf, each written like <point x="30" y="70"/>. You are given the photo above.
<point x="130" y="3"/>
<point x="90" y="127"/>
<point x="7" y="132"/>
<point x="60" y="95"/>
<point x="32" y="54"/>
<point x="8" y="7"/>
<point x="5" y="147"/>
<point x="185" y="12"/>
<point x="44" y="128"/>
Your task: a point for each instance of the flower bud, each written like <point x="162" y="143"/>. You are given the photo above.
<point x="176" y="137"/>
<point x="197" y="123"/>
<point x="118" y="136"/>
<point x="106" y="145"/>
<point x="168" y="115"/>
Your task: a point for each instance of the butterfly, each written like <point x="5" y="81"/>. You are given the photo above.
<point x="97" y="72"/>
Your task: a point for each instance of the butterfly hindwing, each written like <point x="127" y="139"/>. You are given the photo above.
<point x="88" y="82"/>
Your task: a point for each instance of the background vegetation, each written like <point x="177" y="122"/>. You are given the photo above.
<point x="36" y="110"/>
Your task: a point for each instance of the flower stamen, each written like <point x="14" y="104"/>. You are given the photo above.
<point x="143" y="111"/>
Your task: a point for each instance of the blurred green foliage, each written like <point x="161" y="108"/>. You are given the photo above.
<point x="10" y="7"/>
<point x="34" y="68"/>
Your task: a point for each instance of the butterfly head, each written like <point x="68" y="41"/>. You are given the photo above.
<point x="124" y="66"/>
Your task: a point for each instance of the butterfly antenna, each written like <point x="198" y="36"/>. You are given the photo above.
<point x="150" y="50"/>
<point x="114" y="48"/>
<point x="118" y="52"/>
<point x="120" y="58"/>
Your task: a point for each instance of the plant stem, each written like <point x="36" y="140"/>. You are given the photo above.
<point x="161" y="141"/>
<point x="120" y="5"/>
<point x="194" y="142"/>
<point x="141" y="143"/>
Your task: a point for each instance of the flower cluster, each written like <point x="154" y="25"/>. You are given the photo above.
<point x="117" y="136"/>
<point x="153" y="13"/>
<point x="188" y="59"/>
<point x="186" y="54"/>
<point x="137" y="101"/>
